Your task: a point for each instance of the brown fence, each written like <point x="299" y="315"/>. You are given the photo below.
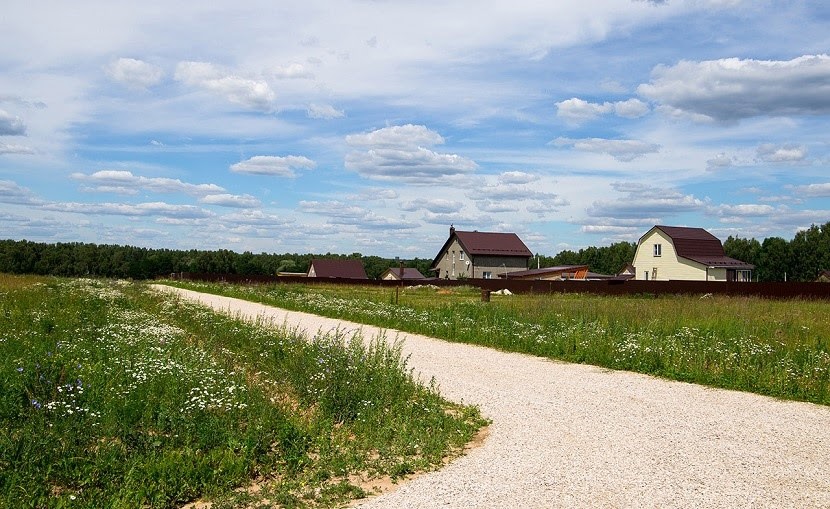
<point x="608" y="287"/>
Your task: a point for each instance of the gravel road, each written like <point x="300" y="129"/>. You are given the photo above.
<point x="568" y="435"/>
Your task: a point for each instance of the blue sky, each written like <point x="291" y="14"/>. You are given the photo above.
<point x="370" y="126"/>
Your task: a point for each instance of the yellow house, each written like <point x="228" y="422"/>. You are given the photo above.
<point x="692" y="254"/>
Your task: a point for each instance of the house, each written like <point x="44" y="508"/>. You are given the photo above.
<point x="627" y="272"/>
<point x="823" y="277"/>
<point x="394" y="274"/>
<point x="348" y="269"/>
<point x="562" y="272"/>
<point x="483" y="255"/>
<point x="679" y="253"/>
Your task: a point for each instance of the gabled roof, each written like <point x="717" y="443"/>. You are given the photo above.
<point x="408" y="273"/>
<point x="570" y="271"/>
<point x="351" y="269"/>
<point x="700" y="246"/>
<point x="486" y="243"/>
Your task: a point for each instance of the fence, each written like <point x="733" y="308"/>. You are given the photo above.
<point x="608" y="287"/>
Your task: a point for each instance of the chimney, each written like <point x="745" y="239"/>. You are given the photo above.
<point x="452" y="230"/>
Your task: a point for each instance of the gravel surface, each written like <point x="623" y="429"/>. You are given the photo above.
<point x="569" y="435"/>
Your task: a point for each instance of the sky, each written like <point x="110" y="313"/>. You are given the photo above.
<point x="371" y="126"/>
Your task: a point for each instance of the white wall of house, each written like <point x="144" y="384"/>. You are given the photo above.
<point x="667" y="265"/>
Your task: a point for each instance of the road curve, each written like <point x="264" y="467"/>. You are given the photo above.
<point x="569" y="435"/>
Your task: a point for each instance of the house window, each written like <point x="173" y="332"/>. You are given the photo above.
<point x="658" y="249"/>
<point x="487" y="275"/>
<point x="461" y="255"/>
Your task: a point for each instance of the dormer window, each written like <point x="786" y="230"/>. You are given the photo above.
<point x="658" y="249"/>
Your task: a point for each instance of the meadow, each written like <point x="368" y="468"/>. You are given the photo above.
<point x="779" y="348"/>
<point x="113" y="395"/>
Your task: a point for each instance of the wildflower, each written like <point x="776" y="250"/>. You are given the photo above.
<point x="36" y="404"/>
<point x="20" y="370"/>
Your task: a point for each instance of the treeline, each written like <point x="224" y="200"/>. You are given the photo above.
<point x="75" y="259"/>
<point x="775" y="259"/>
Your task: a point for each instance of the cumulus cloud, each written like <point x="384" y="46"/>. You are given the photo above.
<point x="12" y="193"/>
<point x="244" y="201"/>
<point x="788" y="153"/>
<point x="134" y="73"/>
<point x="438" y="206"/>
<point x="11" y="125"/>
<point x="277" y="166"/>
<point x="250" y="93"/>
<point x="621" y="150"/>
<point x="742" y="210"/>
<point x="292" y="72"/>
<point x="256" y="218"/>
<point x="340" y="213"/>
<point x="719" y="161"/>
<point x="400" y="153"/>
<point x="13" y="148"/>
<point x="126" y="209"/>
<point x="732" y="89"/>
<point x="324" y="111"/>
<point x="814" y="190"/>
<point x="642" y="200"/>
<point x="517" y="177"/>
<point x="577" y="110"/>
<point x="124" y="182"/>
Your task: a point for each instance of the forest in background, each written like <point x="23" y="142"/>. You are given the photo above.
<point x="775" y="259"/>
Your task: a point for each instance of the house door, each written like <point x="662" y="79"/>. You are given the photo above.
<point x="731" y="275"/>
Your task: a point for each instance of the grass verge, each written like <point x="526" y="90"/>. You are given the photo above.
<point x="112" y="395"/>
<point x="779" y="348"/>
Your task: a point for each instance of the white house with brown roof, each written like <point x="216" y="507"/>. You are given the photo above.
<point x="692" y="254"/>
<point x="486" y="255"/>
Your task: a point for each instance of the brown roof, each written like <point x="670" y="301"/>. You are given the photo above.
<point x="547" y="271"/>
<point x="487" y="243"/>
<point x="351" y="269"/>
<point x="700" y="246"/>
<point x="408" y="273"/>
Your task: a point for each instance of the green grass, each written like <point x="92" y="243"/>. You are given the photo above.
<point x="112" y="395"/>
<point x="779" y="348"/>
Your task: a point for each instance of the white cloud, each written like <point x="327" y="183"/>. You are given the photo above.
<point x="621" y="150"/>
<point x="577" y="110"/>
<point x="398" y="137"/>
<point x="250" y="93"/>
<point x="517" y="177"/>
<point x="742" y="210"/>
<point x="278" y="166"/>
<point x="733" y="89"/>
<point x="135" y="73"/>
<point x="11" y="192"/>
<point x="437" y="205"/>
<point x="350" y="215"/>
<point x="789" y="153"/>
<point x="244" y="201"/>
<point x="126" y="209"/>
<point x="13" y="148"/>
<point x="124" y="182"/>
<point x="11" y="125"/>
<point x="399" y="153"/>
<point x="814" y="190"/>
<point x="719" y="161"/>
<point x="642" y="200"/>
<point x="292" y="71"/>
<point x="324" y="111"/>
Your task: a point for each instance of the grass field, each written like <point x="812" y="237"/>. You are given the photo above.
<point x="112" y="395"/>
<point x="779" y="348"/>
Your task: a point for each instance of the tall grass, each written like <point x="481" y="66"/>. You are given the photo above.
<point x="115" y="396"/>
<point x="776" y="347"/>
